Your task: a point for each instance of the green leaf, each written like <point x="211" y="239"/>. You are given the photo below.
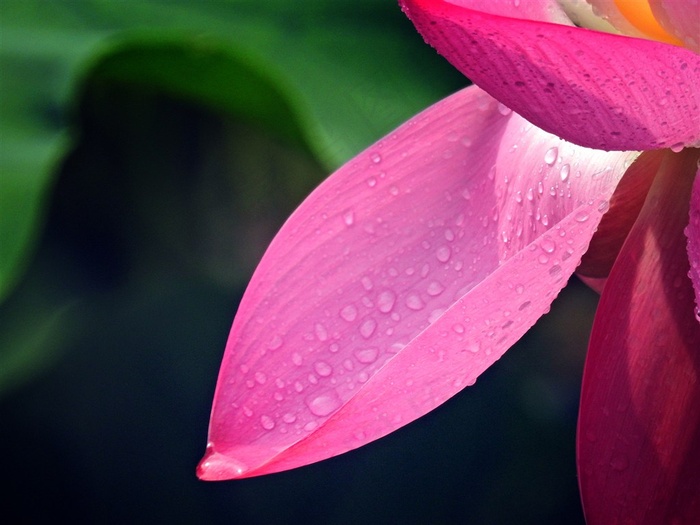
<point x="333" y="75"/>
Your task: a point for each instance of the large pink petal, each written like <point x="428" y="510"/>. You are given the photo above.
<point x="681" y="18"/>
<point x="596" y="89"/>
<point x="639" y="422"/>
<point x="692" y="231"/>
<point x="401" y="279"/>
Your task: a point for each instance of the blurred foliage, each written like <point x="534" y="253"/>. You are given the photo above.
<point x="149" y="151"/>
<point x="326" y="77"/>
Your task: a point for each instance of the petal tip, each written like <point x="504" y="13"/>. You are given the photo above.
<point x="216" y="466"/>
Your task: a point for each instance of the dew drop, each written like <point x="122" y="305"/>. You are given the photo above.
<point x="474" y="347"/>
<point x="677" y="148"/>
<point x="435" y="288"/>
<point x="289" y="418"/>
<point x="275" y="343"/>
<point x="324" y="404"/>
<point x="349" y="313"/>
<point x="367" y="355"/>
<point x="323" y="369"/>
<point x="349" y="218"/>
<point x="267" y="423"/>
<point x="368" y="327"/>
<point x="367" y="283"/>
<point x="321" y="332"/>
<point x="564" y="172"/>
<point x="297" y="359"/>
<point x="550" y="157"/>
<point x="548" y="245"/>
<point x="581" y="216"/>
<point x="458" y="328"/>
<point x="385" y="301"/>
<point x="414" y="302"/>
<point x="519" y="289"/>
<point x="376" y="158"/>
<point x="394" y="190"/>
<point x="555" y="270"/>
<point x="371" y="182"/>
<point x="443" y="254"/>
<point x="260" y="378"/>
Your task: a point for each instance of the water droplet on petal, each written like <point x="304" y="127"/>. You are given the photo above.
<point x="550" y="157"/>
<point x="414" y="302"/>
<point x="367" y="355"/>
<point x="435" y="288"/>
<point x="368" y="327"/>
<point x="349" y="218"/>
<point x="323" y="405"/>
<point x="275" y="343"/>
<point x="564" y="172"/>
<point x="385" y="301"/>
<point x="677" y="148"/>
<point x="323" y="369"/>
<point x="443" y="253"/>
<point x="267" y="423"/>
<point x="321" y="332"/>
<point x="548" y="245"/>
<point x="376" y="158"/>
<point x="349" y="313"/>
<point x="297" y="359"/>
<point x="581" y="216"/>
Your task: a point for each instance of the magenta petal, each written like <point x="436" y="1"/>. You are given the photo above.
<point x="401" y="279"/>
<point x="596" y="89"/>
<point x="692" y="231"/>
<point x="639" y="422"/>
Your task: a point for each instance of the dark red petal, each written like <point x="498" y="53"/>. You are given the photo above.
<point x="639" y="424"/>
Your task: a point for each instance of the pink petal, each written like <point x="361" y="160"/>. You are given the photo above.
<point x="639" y="422"/>
<point x="692" y="231"/>
<point x="399" y="280"/>
<point x="681" y="18"/>
<point x="625" y="205"/>
<point x="588" y="87"/>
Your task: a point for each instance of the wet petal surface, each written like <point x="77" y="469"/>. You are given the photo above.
<point x="401" y="279"/>
<point x="567" y="81"/>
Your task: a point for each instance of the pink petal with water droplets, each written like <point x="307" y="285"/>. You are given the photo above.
<point x="639" y="422"/>
<point x="588" y="87"/>
<point x="539" y="10"/>
<point x="681" y="18"/>
<point x="399" y="280"/>
<point x="692" y="232"/>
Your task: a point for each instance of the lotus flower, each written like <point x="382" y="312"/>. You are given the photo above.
<point x="416" y="265"/>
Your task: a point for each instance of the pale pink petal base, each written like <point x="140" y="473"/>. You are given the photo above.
<point x="639" y="422"/>
<point x="681" y="18"/>
<point x="399" y="280"/>
<point x="582" y="85"/>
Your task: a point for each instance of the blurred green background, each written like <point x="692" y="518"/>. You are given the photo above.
<point x="149" y="151"/>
